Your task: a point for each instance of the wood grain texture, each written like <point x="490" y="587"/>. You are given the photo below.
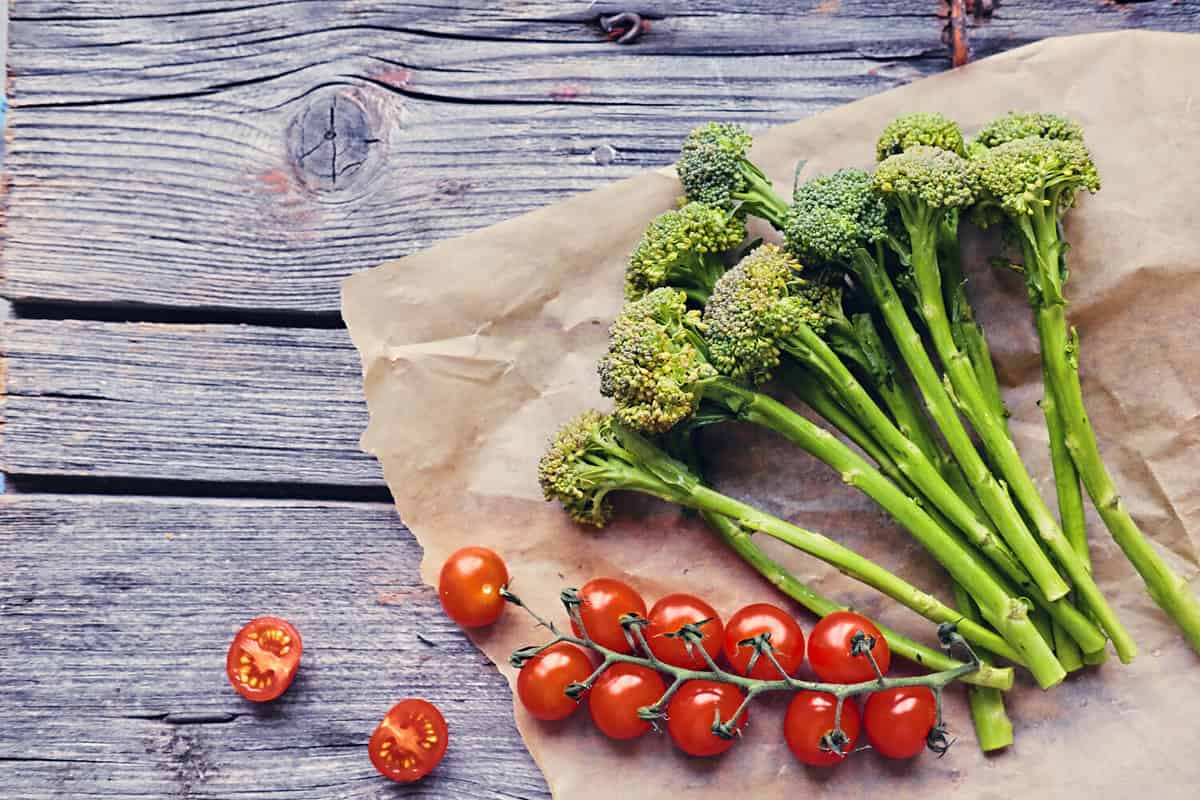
<point x="155" y="153"/>
<point x="115" y="615"/>
<point x="184" y="402"/>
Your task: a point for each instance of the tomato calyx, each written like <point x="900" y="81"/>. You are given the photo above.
<point x="863" y="644"/>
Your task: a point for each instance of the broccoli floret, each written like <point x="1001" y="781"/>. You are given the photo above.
<point x="656" y="361"/>
<point x="1024" y="124"/>
<point x="834" y="217"/>
<point x="753" y="306"/>
<point x="682" y="248"/>
<point x="595" y="454"/>
<point x="925" y="183"/>
<point x="921" y="128"/>
<point x="714" y="169"/>
<point x="1034" y="175"/>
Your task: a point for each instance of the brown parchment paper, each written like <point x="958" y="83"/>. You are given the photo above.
<point x="475" y="351"/>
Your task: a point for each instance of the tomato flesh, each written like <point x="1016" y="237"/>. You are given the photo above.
<point x="692" y="711"/>
<point x="898" y="721"/>
<point x="618" y="694"/>
<point x="669" y="615"/>
<point x="263" y="658"/>
<point x="603" y="601"/>
<point x="829" y="649"/>
<point x="543" y="681"/>
<point x="410" y="741"/>
<point x="809" y="717"/>
<point x="787" y="641"/>
<point x="469" y="586"/>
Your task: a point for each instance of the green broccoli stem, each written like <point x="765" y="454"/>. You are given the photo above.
<point x="1070" y="508"/>
<point x="807" y="347"/>
<point x="1007" y="614"/>
<point x="993" y="729"/>
<point x="741" y="542"/>
<point x="968" y="334"/>
<point x="921" y="224"/>
<point x="760" y="198"/>
<point x="996" y="500"/>
<point x="1169" y="590"/>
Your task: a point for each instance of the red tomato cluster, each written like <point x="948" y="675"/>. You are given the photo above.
<point x="550" y="685"/>
<point x="411" y="739"/>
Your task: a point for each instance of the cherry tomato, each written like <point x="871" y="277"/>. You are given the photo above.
<point x="692" y="711"/>
<point x="809" y="717"/>
<point x="543" y="681"/>
<point x="470" y="586"/>
<point x="669" y="615"/>
<point x="263" y="658"/>
<point x="786" y="638"/>
<point x="829" y="649"/>
<point x="899" y="720"/>
<point x="409" y="742"/>
<point x="604" y="602"/>
<point x="617" y="695"/>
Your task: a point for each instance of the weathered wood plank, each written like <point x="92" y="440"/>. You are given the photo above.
<point x="190" y="402"/>
<point x="115" y="614"/>
<point x="171" y="135"/>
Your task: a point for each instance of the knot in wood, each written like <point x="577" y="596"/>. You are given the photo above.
<point x="333" y="142"/>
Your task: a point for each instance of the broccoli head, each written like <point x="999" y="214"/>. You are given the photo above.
<point x="715" y="169"/>
<point x="1029" y="175"/>
<point x="754" y="307"/>
<point x="925" y="184"/>
<point x="595" y="454"/>
<point x="682" y="248"/>
<point x="1024" y="124"/>
<point x="656" y="361"/>
<point x="833" y="217"/>
<point x="572" y="470"/>
<point x="922" y="128"/>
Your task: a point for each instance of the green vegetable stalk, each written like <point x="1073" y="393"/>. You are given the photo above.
<point x="922" y="184"/>
<point x="595" y="454"/>
<point x="993" y="728"/>
<point x="1030" y="168"/>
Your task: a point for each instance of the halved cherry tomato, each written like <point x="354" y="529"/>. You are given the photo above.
<point x="669" y="615"/>
<point x="898" y="721"/>
<point x="618" y="694"/>
<point x="829" y="649"/>
<point x="263" y="658"/>
<point x="543" y="681"/>
<point x="409" y="742"/>
<point x="470" y="586"/>
<point x="786" y="638"/>
<point x="603" y="601"/>
<point x="809" y="717"/>
<point x="693" y="710"/>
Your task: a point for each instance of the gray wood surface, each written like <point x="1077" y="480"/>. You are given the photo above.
<point x="186" y="183"/>
<point x="115" y="615"/>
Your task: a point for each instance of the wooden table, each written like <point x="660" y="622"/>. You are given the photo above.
<point x="187" y="183"/>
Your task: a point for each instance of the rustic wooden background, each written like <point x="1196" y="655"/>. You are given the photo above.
<point x="187" y="181"/>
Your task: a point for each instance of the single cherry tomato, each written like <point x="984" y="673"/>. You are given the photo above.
<point x="470" y="586"/>
<point x="809" y="717"/>
<point x="829" y="649"/>
<point x="603" y="601"/>
<point x="263" y="658"/>
<point x="898" y="721"/>
<point x="409" y="742"/>
<point x="693" y="710"/>
<point x="618" y="694"/>
<point x="543" y="681"/>
<point x="786" y="637"/>
<point x="669" y="615"/>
